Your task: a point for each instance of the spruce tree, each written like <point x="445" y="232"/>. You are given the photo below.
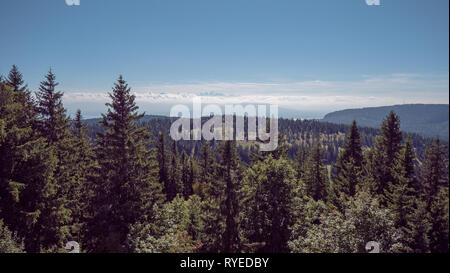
<point x="434" y="170"/>
<point x="175" y="174"/>
<point x="54" y="123"/>
<point x="15" y="79"/>
<point x="81" y="191"/>
<point x="230" y="206"/>
<point x="352" y="147"/>
<point x="439" y="210"/>
<point x="434" y="177"/>
<point x="315" y="176"/>
<point x="400" y="193"/>
<point x="208" y="166"/>
<point x="300" y="158"/>
<point x="192" y="175"/>
<point x="419" y="227"/>
<point x="13" y="135"/>
<point x="186" y="173"/>
<point x="26" y="169"/>
<point x="211" y="190"/>
<point x="127" y="187"/>
<point x="410" y="215"/>
<point x="387" y="147"/>
<point x="348" y="168"/>
<point x="163" y="162"/>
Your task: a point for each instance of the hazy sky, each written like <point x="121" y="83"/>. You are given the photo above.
<point x="312" y="56"/>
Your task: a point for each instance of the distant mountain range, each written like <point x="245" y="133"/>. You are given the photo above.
<point x="429" y="120"/>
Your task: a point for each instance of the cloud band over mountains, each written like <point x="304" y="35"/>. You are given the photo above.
<point x="317" y="95"/>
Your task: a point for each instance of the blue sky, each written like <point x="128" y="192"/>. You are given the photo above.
<point x="313" y="56"/>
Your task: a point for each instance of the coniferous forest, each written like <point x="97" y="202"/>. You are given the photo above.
<point x="122" y="185"/>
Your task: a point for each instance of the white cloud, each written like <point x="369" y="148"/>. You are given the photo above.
<point x="317" y="95"/>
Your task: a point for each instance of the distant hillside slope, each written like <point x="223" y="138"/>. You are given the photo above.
<point x="426" y="119"/>
<point x="295" y="134"/>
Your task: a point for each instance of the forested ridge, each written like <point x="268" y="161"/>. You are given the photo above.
<point x="295" y="133"/>
<point x="425" y="119"/>
<point x="124" y="186"/>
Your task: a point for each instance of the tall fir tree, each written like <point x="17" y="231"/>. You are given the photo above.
<point x="127" y="188"/>
<point x="24" y="97"/>
<point x="435" y="182"/>
<point x="175" y="181"/>
<point x="400" y="195"/>
<point x="186" y="173"/>
<point x="14" y="137"/>
<point x="211" y="190"/>
<point x="300" y="158"/>
<point x="54" y="123"/>
<point x="163" y="163"/>
<point x="193" y="174"/>
<point x="81" y="191"/>
<point x="15" y="79"/>
<point x="348" y="167"/>
<point x="439" y="211"/>
<point x="315" y="176"/>
<point x="54" y="126"/>
<point x="207" y="183"/>
<point x="26" y="176"/>
<point x="434" y="170"/>
<point x="419" y="227"/>
<point x="230" y="206"/>
<point x="386" y="150"/>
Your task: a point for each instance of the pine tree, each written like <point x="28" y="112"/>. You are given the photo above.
<point x="434" y="170"/>
<point x="81" y="191"/>
<point x="193" y="173"/>
<point x="387" y="147"/>
<point x="230" y="206"/>
<point x="348" y="168"/>
<point x="301" y="156"/>
<point x="419" y="226"/>
<point x="15" y="79"/>
<point x="187" y="175"/>
<point x="26" y="170"/>
<point x="175" y="174"/>
<point x="439" y="240"/>
<point x="411" y="217"/>
<point x="406" y="159"/>
<point x="352" y="147"/>
<point x="400" y="195"/>
<point x="434" y="176"/>
<point x="210" y="187"/>
<point x="163" y="163"/>
<point x="54" y="123"/>
<point x="127" y="188"/>
<point x="208" y="165"/>
<point x="315" y="176"/>
<point x="13" y="135"/>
